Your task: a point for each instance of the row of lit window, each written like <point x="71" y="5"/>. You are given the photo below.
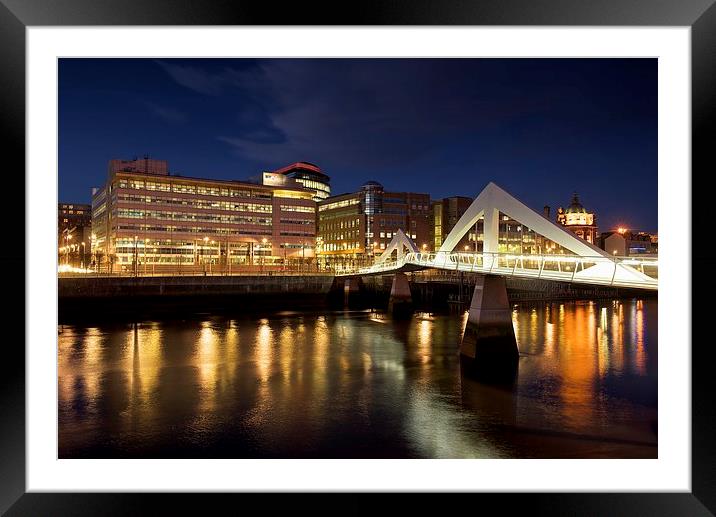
<point x="354" y="234"/>
<point x="338" y="204"/>
<point x="314" y="185"/>
<point x="193" y="229"/>
<point x="184" y="216"/>
<point x="353" y="223"/>
<point x="297" y="221"/>
<point x="341" y="246"/>
<point x="197" y="246"/>
<point x="296" y="234"/>
<point x="298" y="208"/>
<point x="203" y="204"/>
<point x="189" y="189"/>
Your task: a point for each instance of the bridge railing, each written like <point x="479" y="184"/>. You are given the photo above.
<point x="619" y="271"/>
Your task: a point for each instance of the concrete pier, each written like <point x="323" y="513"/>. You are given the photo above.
<point x="401" y="300"/>
<point x="352" y="292"/>
<point x="489" y="347"/>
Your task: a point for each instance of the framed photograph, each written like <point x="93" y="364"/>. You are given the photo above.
<point x="414" y="249"/>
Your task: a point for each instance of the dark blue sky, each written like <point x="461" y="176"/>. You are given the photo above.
<point x="540" y="128"/>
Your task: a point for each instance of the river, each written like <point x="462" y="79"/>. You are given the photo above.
<point x="358" y="384"/>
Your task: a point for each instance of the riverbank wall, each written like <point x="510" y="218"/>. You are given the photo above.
<point x="168" y="295"/>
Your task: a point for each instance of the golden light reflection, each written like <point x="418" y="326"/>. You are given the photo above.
<point x="534" y="327"/>
<point x="264" y="350"/>
<point x="91" y="369"/>
<point x="578" y="367"/>
<point x="425" y="334"/>
<point x="603" y="356"/>
<point x="640" y="353"/>
<point x="549" y="339"/>
<point x="286" y="351"/>
<point x="617" y="338"/>
<point x="146" y="363"/>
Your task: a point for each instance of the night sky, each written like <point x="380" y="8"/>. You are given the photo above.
<point x="539" y="128"/>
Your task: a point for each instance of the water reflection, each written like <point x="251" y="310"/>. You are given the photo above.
<point x="358" y="384"/>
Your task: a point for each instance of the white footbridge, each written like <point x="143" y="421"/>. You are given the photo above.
<point x="585" y="263"/>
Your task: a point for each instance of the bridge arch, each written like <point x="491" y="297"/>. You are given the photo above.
<point x="493" y="200"/>
<point x="399" y="244"/>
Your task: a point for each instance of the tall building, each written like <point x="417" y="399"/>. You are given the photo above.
<point x="74" y="233"/>
<point x="310" y="177"/>
<point x="580" y="222"/>
<point x="444" y="214"/>
<point x="144" y="216"/>
<point x="356" y="227"/>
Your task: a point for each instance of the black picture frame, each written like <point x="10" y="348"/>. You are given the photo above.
<point x="700" y="15"/>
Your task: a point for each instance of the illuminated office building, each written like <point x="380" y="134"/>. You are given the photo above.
<point x="356" y="227"/>
<point x="146" y="216"/>
<point x="74" y="233"/>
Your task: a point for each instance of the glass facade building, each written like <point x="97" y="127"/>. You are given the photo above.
<point x="355" y="228"/>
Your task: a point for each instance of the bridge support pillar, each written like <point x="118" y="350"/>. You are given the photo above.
<point x="489" y="348"/>
<point x="351" y="290"/>
<point x="401" y="301"/>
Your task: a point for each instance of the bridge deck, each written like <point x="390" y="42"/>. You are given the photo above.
<point x="640" y="273"/>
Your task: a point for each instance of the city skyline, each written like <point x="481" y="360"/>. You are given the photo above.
<point x="543" y="129"/>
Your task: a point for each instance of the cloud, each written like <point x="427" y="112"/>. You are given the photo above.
<point x="169" y="114"/>
<point x="194" y="78"/>
<point x="374" y="113"/>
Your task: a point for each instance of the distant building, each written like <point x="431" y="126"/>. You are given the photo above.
<point x="580" y="222"/>
<point x="356" y="227"/>
<point x="74" y="233"/>
<point x="143" y="216"/>
<point x="145" y="164"/>
<point x="623" y="242"/>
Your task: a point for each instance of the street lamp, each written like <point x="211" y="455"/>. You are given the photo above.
<point x="82" y="261"/>
<point x="263" y="241"/>
<point x="135" y="256"/>
<point x="146" y="241"/>
<point x="68" y="238"/>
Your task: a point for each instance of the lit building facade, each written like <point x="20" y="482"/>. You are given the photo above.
<point x="159" y="220"/>
<point x="354" y="228"/>
<point x="444" y="214"/>
<point x="74" y="233"/>
<point x="580" y="222"/>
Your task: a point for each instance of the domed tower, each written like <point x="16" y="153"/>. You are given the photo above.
<point x="578" y="220"/>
